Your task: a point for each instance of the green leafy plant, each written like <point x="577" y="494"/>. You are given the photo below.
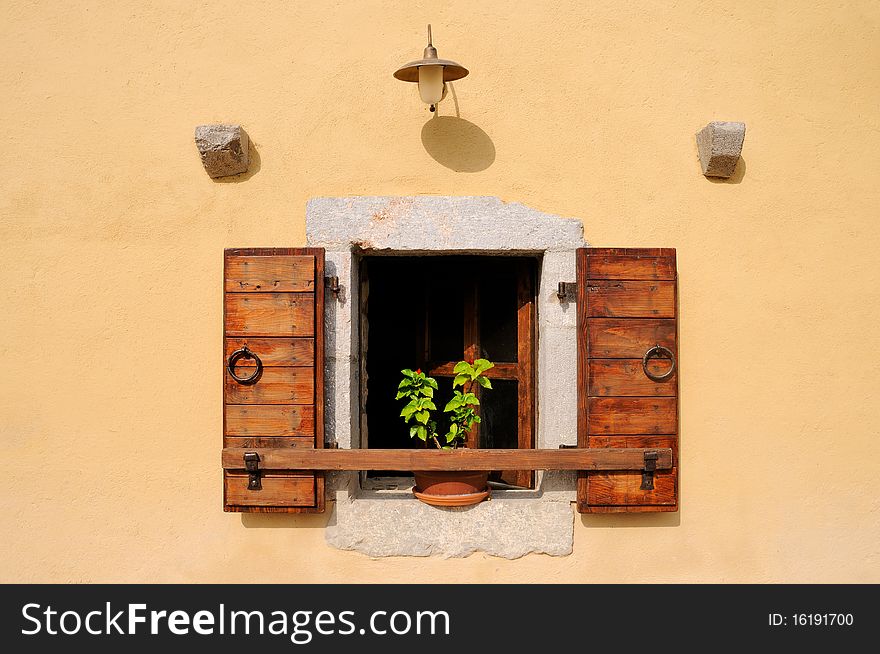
<point x="418" y="389"/>
<point x="463" y="409"/>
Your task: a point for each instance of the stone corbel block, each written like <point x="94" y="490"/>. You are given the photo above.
<point x="223" y="148"/>
<point x="720" y="144"/>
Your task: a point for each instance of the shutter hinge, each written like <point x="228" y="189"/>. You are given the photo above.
<point x="648" y="472"/>
<point x="332" y="283"/>
<point x="567" y="291"/>
<point x="252" y="465"/>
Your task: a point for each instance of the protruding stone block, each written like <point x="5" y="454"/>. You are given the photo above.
<point x="223" y="148"/>
<point x="720" y="145"/>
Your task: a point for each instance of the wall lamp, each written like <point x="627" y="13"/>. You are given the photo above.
<point x="431" y="73"/>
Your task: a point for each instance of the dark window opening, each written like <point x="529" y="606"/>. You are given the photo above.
<point x="430" y="312"/>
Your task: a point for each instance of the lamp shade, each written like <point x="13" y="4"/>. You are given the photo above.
<point x="431" y="84"/>
<point x="451" y="70"/>
<point x="410" y="72"/>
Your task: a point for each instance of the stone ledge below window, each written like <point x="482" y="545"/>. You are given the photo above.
<point x="510" y="525"/>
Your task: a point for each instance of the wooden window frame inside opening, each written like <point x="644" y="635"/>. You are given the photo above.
<point x="523" y="371"/>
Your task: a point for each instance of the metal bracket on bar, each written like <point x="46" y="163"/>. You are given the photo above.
<point x="567" y="291"/>
<point x="648" y="472"/>
<point x="563" y="446"/>
<point x="252" y="465"/>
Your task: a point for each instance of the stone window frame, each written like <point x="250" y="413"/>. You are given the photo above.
<point x="390" y="522"/>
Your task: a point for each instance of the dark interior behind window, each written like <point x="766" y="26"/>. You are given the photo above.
<point x="429" y="312"/>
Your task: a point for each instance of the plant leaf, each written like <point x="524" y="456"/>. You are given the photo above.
<point x="460" y="380"/>
<point x="430" y="381"/>
<point x="462" y="367"/>
<point x="409" y="409"/>
<point x="427" y="390"/>
<point x="484" y="382"/>
<point x="407" y="372"/>
<point x="422" y="417"/>
<point x="482" y="365"/>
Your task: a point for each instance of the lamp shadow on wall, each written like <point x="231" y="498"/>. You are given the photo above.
<point x="457" y="143"/>
<point x="254" y="166"/>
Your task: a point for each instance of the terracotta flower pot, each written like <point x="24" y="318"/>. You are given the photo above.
<point x="451" y="488"/>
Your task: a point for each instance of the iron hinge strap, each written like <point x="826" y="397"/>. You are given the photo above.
<point x="332" y="284"/>
<point x="567" y="291"/>
<point x="252" y="465"/>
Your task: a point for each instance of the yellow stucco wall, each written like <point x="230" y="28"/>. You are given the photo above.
<point x="111" y="237"/>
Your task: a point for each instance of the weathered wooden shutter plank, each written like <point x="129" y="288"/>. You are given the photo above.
<point x="631" y="299"/>
<point x="274" y="351"/>
<point x="260" y="274"/>
<point x="255" y="442"/>
<point x="278" y="490"/>
<point x="273" y="305"/>
<point x="276" y="385"/>
<point x="615" y="338"/>
<point x="624" y="489"/>
<point x="625" y="377"/>
<point x="631" y="266"/>
<point x="270" y="314"/>
<point x="270" y="420"/>
<point x="626" y="305"/>
<point x="633" y="415"/>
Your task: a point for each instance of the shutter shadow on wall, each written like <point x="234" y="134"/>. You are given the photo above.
<point x="274" y="306"/>
<point x="627" y="305"/>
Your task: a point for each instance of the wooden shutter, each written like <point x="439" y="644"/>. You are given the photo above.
<point x="274" y="306"/>
<point x="627" y="304"/>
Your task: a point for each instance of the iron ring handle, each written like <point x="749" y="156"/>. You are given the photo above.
<point x="658" y="351"/>
<point x="235" y="357"/>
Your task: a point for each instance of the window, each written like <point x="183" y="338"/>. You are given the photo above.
<point x="429" y="312"/>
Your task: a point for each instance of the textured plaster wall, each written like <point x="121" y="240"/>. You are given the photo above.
<point x="112" y="234"/>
